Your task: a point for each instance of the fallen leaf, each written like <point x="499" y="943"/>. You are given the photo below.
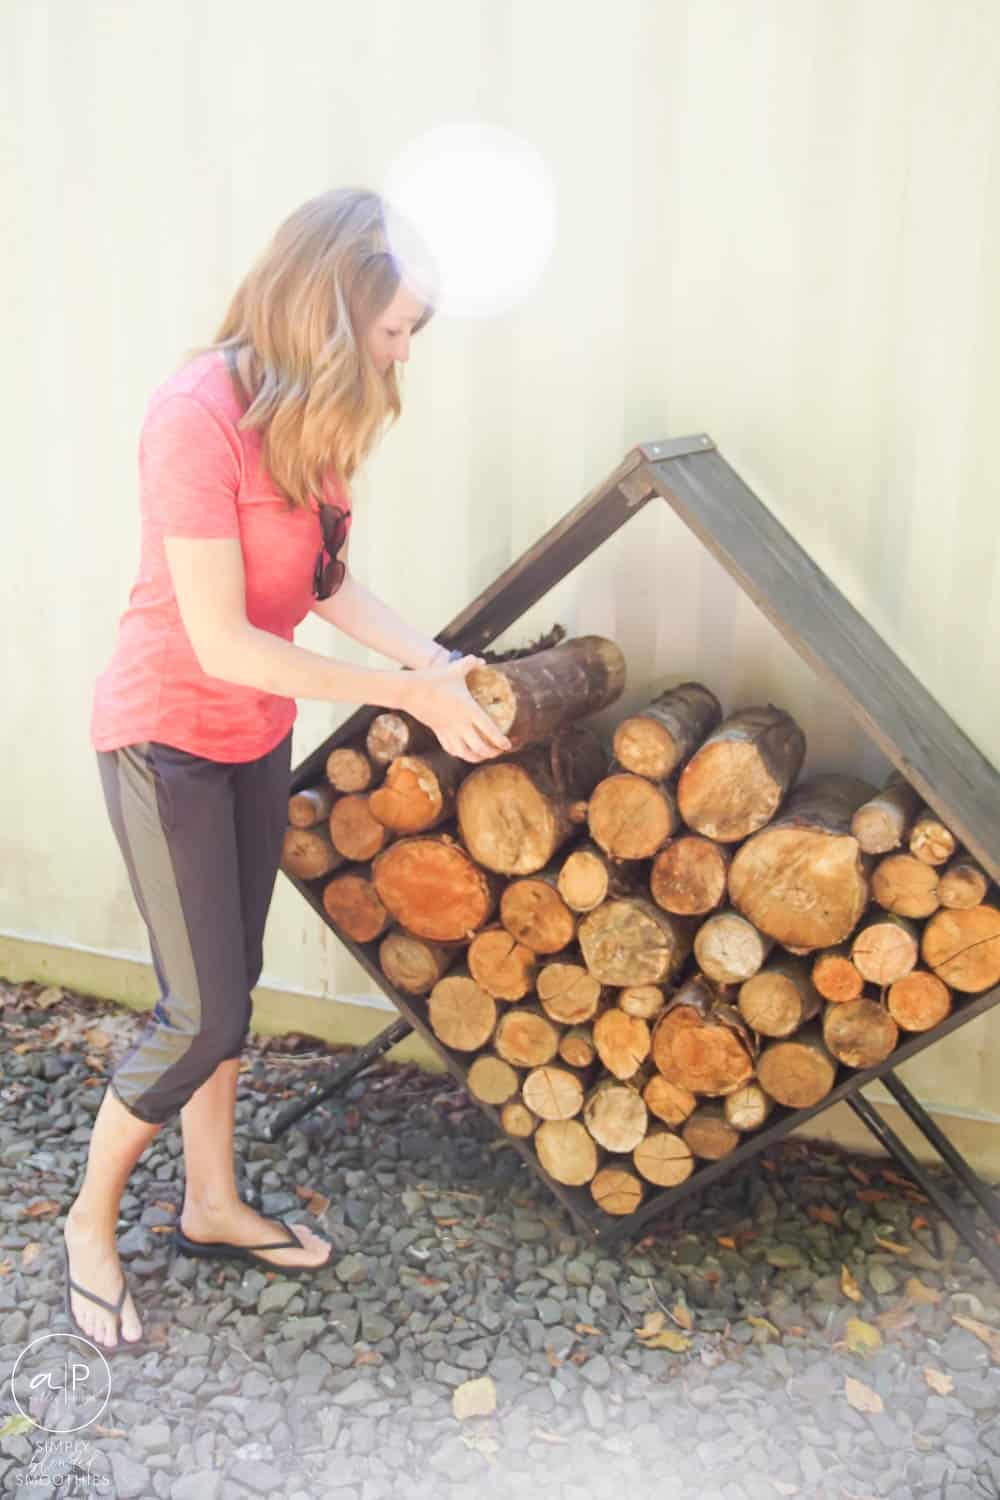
<point x="857" y="1174"/>
<point x="862" y="1338"/>
<point x="98" y="1039"/>
<point x="861" y="1396"/>
<point x="46" y="998"/>
<point x="316" y="1203"/>
<point x="14" y="1426"/>
<point x="895" y="1318"/>
<point x="892" y="1245"/>
<point x="42" y="1206"/>
<point x="474" y="1398"/>
<point x="943" y="1384"/>
<point x="5" y="1268"/>
<point x="989" y="1336"/>
<point x="763" y="1323"/>
<point x="162" y="1228"/>
<point x="796" y="1331"/>
<point x="848" y="1285"/>
<point x="888" y="1175"/>
<point x="555" y="1362"/>
<point x="668" y="1339"/>
<point x="165" y="1204"/>
<point x="871" y="1195"/>
<point x="367" y="1357"/>
<point x="822" y="1214"/>
<point x="726" y="1241"/>
<point x="682" y="1316"/>
<point x="651" y="1323"/>
<point x="447" y="1223"/>
<point x="585" y="1328"/>
<point x="918" y="1292"/>
<point x="109" y="1432"/>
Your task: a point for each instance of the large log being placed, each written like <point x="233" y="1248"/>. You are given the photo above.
<point x="702" y="1043"/>
<point x="514" y="813"/>
<point x="667" y="731"/>
<point x="589" y="876"/>
<point x="798" y="1071"/>
<point x="633" y="942"/>
<point x="908" y="886"/>
<point x="729" y="949"/>
<point x="355" y="833"/>
<point x="663" y="1157"/>
<point x="689" y="875"/>
<point x="534" y="697"/>
<point x="418" y="792"/>
<point x="534" y="913"/>
<point x="308" y="853"/>
<point x="433" y="889"/>
<point x="884" y="821"/>
<point x="413" y="964"/>
<point x="352" y="903"/>
<point x="736" y="781"/>
<point x="504" y="967"/>
<point x="461" y="1014"/>
<point x="860" y="1033"/>
<point x="310" y="806"/>
<point x="780" y="998"/>
<point x="630" y="817"/>
<point x="884" y="948"/>
<point x="803" y="880"/>
<point x="963" y="948"/>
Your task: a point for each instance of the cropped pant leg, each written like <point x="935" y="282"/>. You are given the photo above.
<point x="201" y="844"/>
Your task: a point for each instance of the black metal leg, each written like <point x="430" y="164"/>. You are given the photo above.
<point x="341" y="1076"/>
<point x="979" y="1189"/>
<point x="987" y="1252"/>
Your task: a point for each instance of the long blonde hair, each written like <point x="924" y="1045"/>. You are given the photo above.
<point x="294" y="334"/>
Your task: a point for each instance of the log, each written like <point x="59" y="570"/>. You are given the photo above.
<point x="860" y="1033"/>
<point x="517" y="1119"/>
<point x="310" y="806"/>
<point x="703" y="1043"/>
<point x="643" y="1000"/>
<point x="351" y="770"/>
<point x="885" y="948"/>
<point x="413" y="964"/>
<point x="566" y="1151"/>
<point x="729" y="949"/>
<point x="663" y="1157"/>
<point x="748" y="1108"/>
<point x="568" y="993"/>
<point x="554" y="1091"/>
<point x="633" y="942"/>
<point x="492" y="1079"/>
<point x="962" y="883"/>
<point x="667" y="732"/>
<point x="670" y="1102"/>
<point x="576" y="1047"/>
<point x="834" y="974"/>
<point x="433" y="889"/>
<point x="307" y="853"/>
<point x="931" y="840"/>
<point x="884" y="821"/>
<point x="461" y="1014"/>
<point x="352" y="904"/>
<point x="534" y="697"/>
<point x="615" y="1114"/>
<point x="630" y="817"/>
<point x="515" y="812"/>
<point x="708" y="1134"/>
<point x="803" y="880"/>
<point x="689" y="875"/>
<point x="525" y="1037"/>
<point x="798" y="1071"/>
<point x="903" y="884"/>
<point x="535" y="914"/>
<point x="395" y="733"/>
<point x="589" y="877"/>
<point x="616" y="1190"/>
<point x="504" y="967"/>
<point x="779" y="999"/>
<point x="622" y="1041"/>
<point x="353" y="831"/>
<point x="736" y="781"/>
<point x="418" y="792"/>
<point x="918" y="1001"/>
<point x="963" y="948"/>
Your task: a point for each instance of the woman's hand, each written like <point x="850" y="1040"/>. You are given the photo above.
<point x="439" y="698"/>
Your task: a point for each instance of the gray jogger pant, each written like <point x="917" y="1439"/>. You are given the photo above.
<point x="201" y="841"/>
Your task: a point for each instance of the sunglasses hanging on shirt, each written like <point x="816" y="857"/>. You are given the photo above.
<point x="329" y="571"/>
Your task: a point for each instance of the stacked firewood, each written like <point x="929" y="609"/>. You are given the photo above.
<point x="639" y="957"/>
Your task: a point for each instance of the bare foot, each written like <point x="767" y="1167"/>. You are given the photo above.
<point x="94" y="1263"/>
<point x="239" y="1224"/>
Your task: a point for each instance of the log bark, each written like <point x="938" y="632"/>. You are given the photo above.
<point x="834" y="974"/>
<point x="589" y="877"/>
<point x="748" y="1108"/>
<point x="518" y="1120"/>
<point x="729" y="949"/>
<point x="689" y="875"/>
<point x="663" y="1157"/>
<point x="352" y="903"/>
<point x="353" y="831"/>
<point x="780" y="999"/>
<point x="962" y="883"/>
<point x="860" y="1033"/>
<point x="514" y="813"/>
<point x="351" y="770"/>
<point x="736" y="781"/>
<point x="633" y="942"/>
<point x="630" y="817"/>
<point x="396" y="733"/>
<point x="540" y="694"/>
<point x="535" y="914"/>
<point x="615" y="1114"/>
<point x="622" y="1041"/>
<point x="803" y="879"/>
<point x="667" y="732"/>
<point x="310" y="806"/>
<point x="554" y="1091"/>
<point x="413" y="964"/>
<point x="643" y="1000"/>
<point x="963" y="948"/>
<point x="418" y="792"/>
<point x="525" y="1037"/>
<point x="504" y="967"/>
<point x="307" y="853"/>
<point x="702" y="1042"/>
<point x="566" y="1151"/>
<point x="670" y="1102"/>
<point x="461" y="1014"/>
<point x="931" y="840"/>
<point x="433" y="889"/>
<point x="918" y="1001"/>
<point x="903" y="884"/>
<point x="568" y="993"/>
<point x="576" y="1047"/>
<point x="885" y="948"/>
<point x="708" y="1133"/>
<point x="616" y="1190"/>
<point x="884" y="821"/>
<point x="492" y="1080"/>
<point x="798" y="1071"/>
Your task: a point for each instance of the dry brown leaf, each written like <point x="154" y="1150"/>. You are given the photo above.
<point x="895" y="1318"/>
<point x="42" y="1206"/>
<point x="314" y="1200"/>
<point x="848" y="1285"/>
<point x="763" y="1323"/>
<point x="892" y="1245"/>
<point x="98" y="1039"/>
<point x="165" y="1204"/>
<point x="862" y="1338"/>
<point x="668" y="1339"/>
<point x="474" y="1398"/>
<point x="367" y="1357"/>
<point x="46" y="998"/>
<point x="888" y="1175"/>
<point x="726" y="1241"/>
<point x="938" y="1381"/>
<point x="651" y="1323"/>
<point x="5" y="1268"/>
<point x="555" y="1362"/>
<point x="822" y="1213"/>
<point x="861" y="1396"/>
<point x="989" y="1336"/>
<point x="109" y="1432"/>
<point x="682" y="1316"/>
<point x="585" y="1328"/>
<point x="918" y="1292"/>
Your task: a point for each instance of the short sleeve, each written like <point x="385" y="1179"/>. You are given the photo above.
<point x="189" y="473"/>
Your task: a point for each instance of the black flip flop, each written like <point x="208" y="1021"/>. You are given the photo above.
<point x="124" y="1345"/>
<point x="223" y="1250"/>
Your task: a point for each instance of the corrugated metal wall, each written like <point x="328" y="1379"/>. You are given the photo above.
<point x="778" y="223"/>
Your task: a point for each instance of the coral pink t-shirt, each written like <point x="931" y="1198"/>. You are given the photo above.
<point x="200" y="476"/>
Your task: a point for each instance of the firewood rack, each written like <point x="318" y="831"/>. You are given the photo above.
<point x="908" y="725"/>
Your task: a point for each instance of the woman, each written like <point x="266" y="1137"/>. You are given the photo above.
<point x="246" y="458"/>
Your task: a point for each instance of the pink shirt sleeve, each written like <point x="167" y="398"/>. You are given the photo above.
<point x="189" y="471"/>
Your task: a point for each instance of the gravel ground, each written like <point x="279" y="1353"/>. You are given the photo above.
<point x="466" y="1342"/>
